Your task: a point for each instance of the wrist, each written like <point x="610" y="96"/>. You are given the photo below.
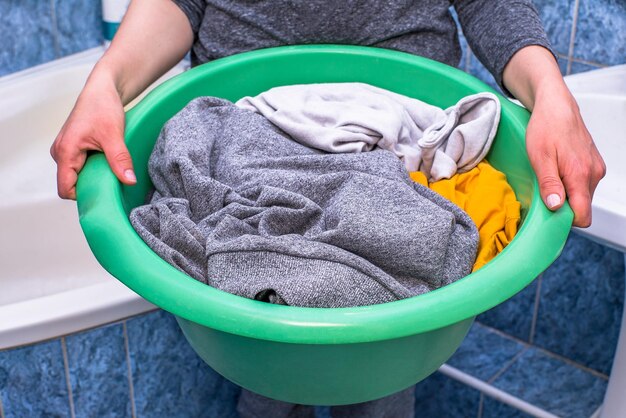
<point x="553" y="96"/>
<point x="531" y="73"/>
<point x="101" y="85"/>
<point x="106" y="75"/>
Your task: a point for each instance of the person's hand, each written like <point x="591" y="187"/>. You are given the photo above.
<point x="95" y="124"/>
<point x="562" y="153"/>
<point x="560" y="149"/>
<point x="153" y="36"/>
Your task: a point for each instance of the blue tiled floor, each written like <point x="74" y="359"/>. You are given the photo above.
<point x="553" y="385"/>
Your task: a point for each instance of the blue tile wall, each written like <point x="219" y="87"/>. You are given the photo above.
<point x="79" y="25"/>
<point x="465" y="53"/>
<point x="562" y="65"/>
<point x="35" y="31"/>
<point x="557" y="17"/>
<point x="465" y="50"/>
<point x="478" y="70"/>
<point x="580" y="308"/>
<point x="99" y="373"/>
<point x="553" y="385"/>
<point x="484" y="352"/>
<point x="170" y="380"/>
<point x="601" y="31"/>
<point x="580" y="67"/>
<point x="515" y="315"/>
<point x="32" y="381"/>
<point x="26" y="34"/>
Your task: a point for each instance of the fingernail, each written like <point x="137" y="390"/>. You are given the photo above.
<point x="553" y="200"/>
<point x="130" y="175"/>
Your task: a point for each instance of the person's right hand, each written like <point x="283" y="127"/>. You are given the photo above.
<point x="95" y="124"/>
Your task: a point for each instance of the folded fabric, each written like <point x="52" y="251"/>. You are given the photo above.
<point x="243" y="207"/>
<point x="488" y="199"/>
<point x="356" y="117"/>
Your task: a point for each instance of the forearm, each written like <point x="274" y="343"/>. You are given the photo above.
<point x="560" y="148"/>
<point x="153" y="36"/>
<point x="533" y="74"/>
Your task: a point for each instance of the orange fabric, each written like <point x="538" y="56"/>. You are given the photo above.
<point x="488" y="199"/>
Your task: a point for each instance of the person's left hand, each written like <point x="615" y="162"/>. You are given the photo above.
<point x="562" y="153"/>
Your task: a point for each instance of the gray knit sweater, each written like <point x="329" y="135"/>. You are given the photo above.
<point x="242" y="207"/>
<point x="495" y="29"/>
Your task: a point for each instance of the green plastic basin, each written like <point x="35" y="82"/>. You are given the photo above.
<point x="309" y="355"/>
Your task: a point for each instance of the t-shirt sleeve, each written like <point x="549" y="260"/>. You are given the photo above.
<point x="497" y="29"/>
<point x="194" y="9"/>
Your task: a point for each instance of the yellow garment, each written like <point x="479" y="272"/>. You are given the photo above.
<point x="488" y="199"/>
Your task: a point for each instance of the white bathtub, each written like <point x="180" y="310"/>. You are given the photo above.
<point x="601" y="96"/>
<point x="50" y="283"/>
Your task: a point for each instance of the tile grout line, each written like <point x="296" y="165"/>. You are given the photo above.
<point x="507" y="366"/>
<point x="548" y="353"/>
<point x="586" y="62"/>
<point x="572" y="38"/>
<point x="55" y="30"/>
<point x="480" y="405"/>
<point x="572" y="363"/>
<point x="129" y="374"/>
<point x="582" y="61"/>
<point x="533" y="322"/>
<point x="504" y="334"/>
<point x="67" y="376"/>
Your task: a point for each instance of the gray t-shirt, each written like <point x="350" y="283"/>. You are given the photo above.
<point x="495" y="29"/>
<point x="242" y="207"/>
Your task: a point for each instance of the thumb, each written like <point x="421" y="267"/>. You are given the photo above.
<point x="120" y="160"/>
<point x="550" y="184"/>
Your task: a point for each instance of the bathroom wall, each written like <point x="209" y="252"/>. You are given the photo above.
<point x="36" y="31"/>
<point x="585" y="34"/>
<point x="546" y="346"/>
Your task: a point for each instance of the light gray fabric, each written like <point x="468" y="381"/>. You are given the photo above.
<point x="357" y="117"/>
<point x="242" y="207"/>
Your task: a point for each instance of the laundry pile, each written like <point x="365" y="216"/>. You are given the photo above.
<point x="328" y="195"/>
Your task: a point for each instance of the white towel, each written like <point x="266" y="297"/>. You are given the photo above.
<point x="356" y="117"/>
